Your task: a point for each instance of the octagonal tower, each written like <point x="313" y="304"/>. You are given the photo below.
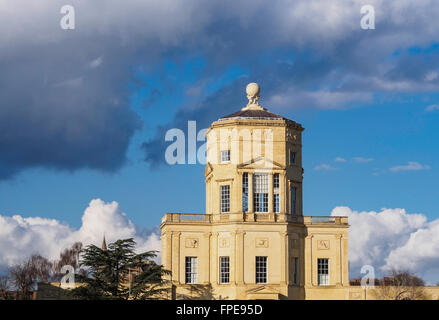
<point x="254" y="242"/>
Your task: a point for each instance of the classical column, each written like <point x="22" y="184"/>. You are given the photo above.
<point x="167" y="252"/>
<point x="214" y="259"/>
<point x="250" y="193"/>
<point x="339" y="260"/>
<point x="283" y="258"/>
<point x="302" y="263"/>
<point x="239" y="263"/>
<point x="176" y="257"/>
<point x="309" y="272"/>
<point x="270" y="192"/>
<point x="233" y="271"/>
<point x="207" y="257"/>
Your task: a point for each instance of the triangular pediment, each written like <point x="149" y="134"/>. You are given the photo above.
<point x="263" y="290"/>
<point x="260" y="163"/>
<point x="208" y="169"/>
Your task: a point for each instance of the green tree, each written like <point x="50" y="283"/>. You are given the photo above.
<point x="119" y="273"/>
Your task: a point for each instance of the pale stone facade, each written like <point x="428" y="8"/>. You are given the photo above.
<point x="257" y="143"/>
<point x="298" y="257"/>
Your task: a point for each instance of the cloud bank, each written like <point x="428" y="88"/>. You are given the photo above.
<point x="65" y="98"/>
<point x="21" y="237"/>
<point x="411" y="166"/>
<point x="392" y="238"/>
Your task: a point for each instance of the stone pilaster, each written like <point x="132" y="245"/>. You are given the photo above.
<point x="240" y="254"/>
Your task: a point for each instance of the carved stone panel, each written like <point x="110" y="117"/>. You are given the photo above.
<point x="224" y="242"/>
<point x="261" y="243"/>
<point x="322" y="244"/>
<point x="191" y="243"/>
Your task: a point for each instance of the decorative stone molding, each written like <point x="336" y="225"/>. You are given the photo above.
<point x="224" y="242"/>
<point x="191" y="242"/>
<point x="261" y="243"/>
<point x="323" y="244"/>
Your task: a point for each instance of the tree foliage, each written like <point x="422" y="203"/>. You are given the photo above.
<point x="119" y="273"/>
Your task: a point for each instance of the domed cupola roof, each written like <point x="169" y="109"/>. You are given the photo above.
<point x="253" y="111"/>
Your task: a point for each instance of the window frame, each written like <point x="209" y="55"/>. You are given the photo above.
<point x="323" y="279"/>
<point x="191" y="270"/>
<point x="260" y="199"/>
<point x="261" y="271"/>
<point x="293" y="157"/>
<point x="245" y="191"/>
<point x="225" y="201"/>
<point x="296" y="271"/>
<point x="293" y="200"/>
<point x="276" y="193"/>
<point x="225" y="159"/>
<point x="224" y="270"/>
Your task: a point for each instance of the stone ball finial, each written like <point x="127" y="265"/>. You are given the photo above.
<point x="252" y="91"/>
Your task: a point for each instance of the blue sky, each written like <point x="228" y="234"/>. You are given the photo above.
<point x="391" y="133"/>
<point x="84" y="112"/>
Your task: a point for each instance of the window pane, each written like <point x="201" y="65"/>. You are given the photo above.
<point x="224" y="270"/>
<point x="276" y="198"/>
<point x="245" y="192"/>
<point x="323" y="272"/>
<point x="292" y="157"/>
<point x="225" y="155"/>
<point x="260" y="192"/>
<point x="261" y="269"/>
<point x="296" y="271"/>
<point x="276" y="203"/>
<point x="225" y="199"/>
<point x="293" y="200"/>
<point x="191" y="270"/>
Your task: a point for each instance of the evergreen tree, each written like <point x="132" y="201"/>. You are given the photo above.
<point x="117" y="272"/>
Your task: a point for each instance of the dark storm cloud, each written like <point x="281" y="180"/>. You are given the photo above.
<point x="59" y="110"/>
<point x="64" y="98"/>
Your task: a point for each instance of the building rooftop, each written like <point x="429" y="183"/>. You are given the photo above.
<point x="253" y="111"/>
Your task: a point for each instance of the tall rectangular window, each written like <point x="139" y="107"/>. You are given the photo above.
<point x="296" y="270"/>
<point x="260" y="192"/>
<point x="323" y="272"/>
<point x="191" y="270"/>
<point x="225" y="156"/>
<point x="293" y="196"/>
<point x="245" y="192"/>
<point x="276" y="197"/>
<point x="224" y="270"/>
<point x="225" y="199"/>
<point x="261" y="269"/>
<point x="292" y="157"/>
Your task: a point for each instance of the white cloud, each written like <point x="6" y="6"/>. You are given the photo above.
<point x="432" y="75"/>
<point x="432" y="108"/>
<point x="96" y="62"/>
<point x="339" y="159"/>
<point x="411" y="166"/>
<point x="324" y="166"/>
<point x="391" y="238"/>
<point x="20" y="237"/>
<point x="362" y="160"/>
